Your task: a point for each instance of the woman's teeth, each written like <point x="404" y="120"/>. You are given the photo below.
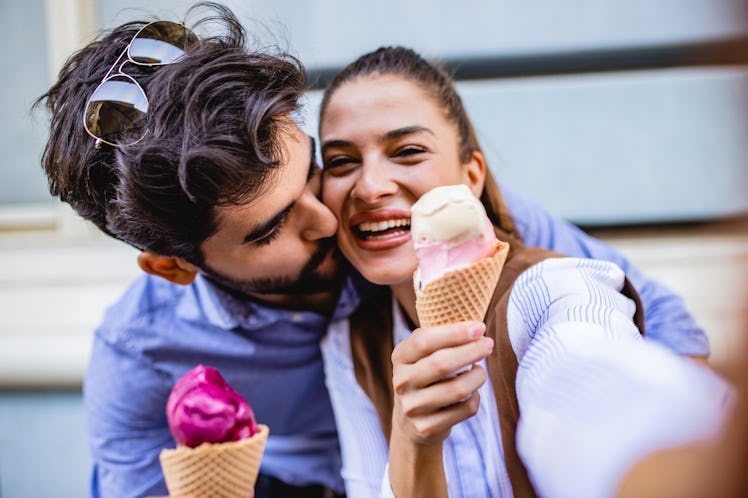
<point x="378" y="230"/>
<point x="378" y="226"/>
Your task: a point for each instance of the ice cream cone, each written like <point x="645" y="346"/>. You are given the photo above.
<point x="461" y="294"/>
<point x="220" y="470"/>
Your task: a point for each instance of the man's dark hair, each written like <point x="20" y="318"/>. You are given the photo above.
<point x="213" y="138"/>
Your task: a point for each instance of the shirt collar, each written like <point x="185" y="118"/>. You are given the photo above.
<point x="207" y="302"/>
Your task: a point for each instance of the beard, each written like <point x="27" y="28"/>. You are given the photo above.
<point x="311" y="279"/>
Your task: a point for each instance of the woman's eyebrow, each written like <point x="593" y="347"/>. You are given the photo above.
<point x="392" y="134"/>
<point x="336" y="143"/>
<point x="407" y="130"/>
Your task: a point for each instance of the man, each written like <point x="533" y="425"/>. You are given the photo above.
<point x="197" y="162"/>
<point x="219" y="190"/>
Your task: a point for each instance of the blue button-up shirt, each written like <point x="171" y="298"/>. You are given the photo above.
<point x="157" y="332"/>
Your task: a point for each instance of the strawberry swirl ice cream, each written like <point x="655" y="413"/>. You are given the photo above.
<point x="203" y="408"/>
<point x="450" y="230"/>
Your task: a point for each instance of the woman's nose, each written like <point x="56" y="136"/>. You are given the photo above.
<point x="373" y="182"/>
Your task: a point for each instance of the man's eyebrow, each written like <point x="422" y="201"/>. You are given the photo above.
<point x="267" y="227"/>
<point x="392" y="134"/>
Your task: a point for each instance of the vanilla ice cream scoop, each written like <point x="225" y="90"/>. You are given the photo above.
<point x="450" y="230"/>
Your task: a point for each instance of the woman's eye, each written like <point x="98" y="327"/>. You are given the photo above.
<point x="336" y="162"/>
<point x="338" y="165"/>
<point x="410" y="150"/>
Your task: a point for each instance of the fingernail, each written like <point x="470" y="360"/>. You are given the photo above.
<point x="488" y="342"/>
<point x="476" y="330"/>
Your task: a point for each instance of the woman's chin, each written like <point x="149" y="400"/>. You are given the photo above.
<point x="392" y="266"/>
<point x="379" y="277"/>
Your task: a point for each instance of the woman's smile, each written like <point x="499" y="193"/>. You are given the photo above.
<point x="380" y="230"/>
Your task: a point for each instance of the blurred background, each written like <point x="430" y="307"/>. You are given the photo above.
<point x="627" y="118"/>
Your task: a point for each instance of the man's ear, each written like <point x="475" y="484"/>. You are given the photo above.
<point x="172" y="269"/>
<point x="474" y="173"/>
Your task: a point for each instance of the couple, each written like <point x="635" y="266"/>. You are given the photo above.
<point x="209" y="176"/>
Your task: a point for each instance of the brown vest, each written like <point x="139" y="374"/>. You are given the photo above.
<point x="372" y="345"/>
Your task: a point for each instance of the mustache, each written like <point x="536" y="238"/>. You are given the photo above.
<point x="324" y="247"/>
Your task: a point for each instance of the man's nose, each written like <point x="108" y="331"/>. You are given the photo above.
<point x="318" y="221"/>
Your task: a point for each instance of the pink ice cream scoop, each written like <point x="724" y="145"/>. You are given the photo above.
<point x="203" y="408"/>
<point x="450" y="230"/>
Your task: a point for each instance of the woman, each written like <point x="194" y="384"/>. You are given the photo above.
<point x="392" y="127"/>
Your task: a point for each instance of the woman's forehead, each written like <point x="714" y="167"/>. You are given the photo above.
<point x="379" y="99"/>
<point x="392" y="85"/>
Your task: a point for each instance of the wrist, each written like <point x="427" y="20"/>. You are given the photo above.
<point x="410" y="462"/>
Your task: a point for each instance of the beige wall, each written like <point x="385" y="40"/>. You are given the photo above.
<point x="53" y="290"/>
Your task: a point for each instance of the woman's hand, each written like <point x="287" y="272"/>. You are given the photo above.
<point x="430" y="399"/>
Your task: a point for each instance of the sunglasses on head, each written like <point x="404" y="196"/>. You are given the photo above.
<point x="119" y="101"/>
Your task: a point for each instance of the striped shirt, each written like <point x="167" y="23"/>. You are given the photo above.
<point x="594" y="395"/>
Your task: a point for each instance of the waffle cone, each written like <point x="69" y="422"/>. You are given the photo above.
<point x="461" y="294"/>
<point x="221" y="470"/>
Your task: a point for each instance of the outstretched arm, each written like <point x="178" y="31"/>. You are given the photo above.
<point x="667" y="320"/>
<point x="594" y="397"/>
<point x="716" y="468"/>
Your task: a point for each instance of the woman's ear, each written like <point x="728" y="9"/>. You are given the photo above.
<point x="172" y="269"/>
<point x="474" y="173"/>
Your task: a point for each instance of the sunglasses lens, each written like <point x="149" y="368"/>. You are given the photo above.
<point x="115" y="106"/>
<point x="161" y="42"/>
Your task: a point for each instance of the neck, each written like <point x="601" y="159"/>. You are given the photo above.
<point x="321" y="302"/>
<point x="406" y="298"/>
